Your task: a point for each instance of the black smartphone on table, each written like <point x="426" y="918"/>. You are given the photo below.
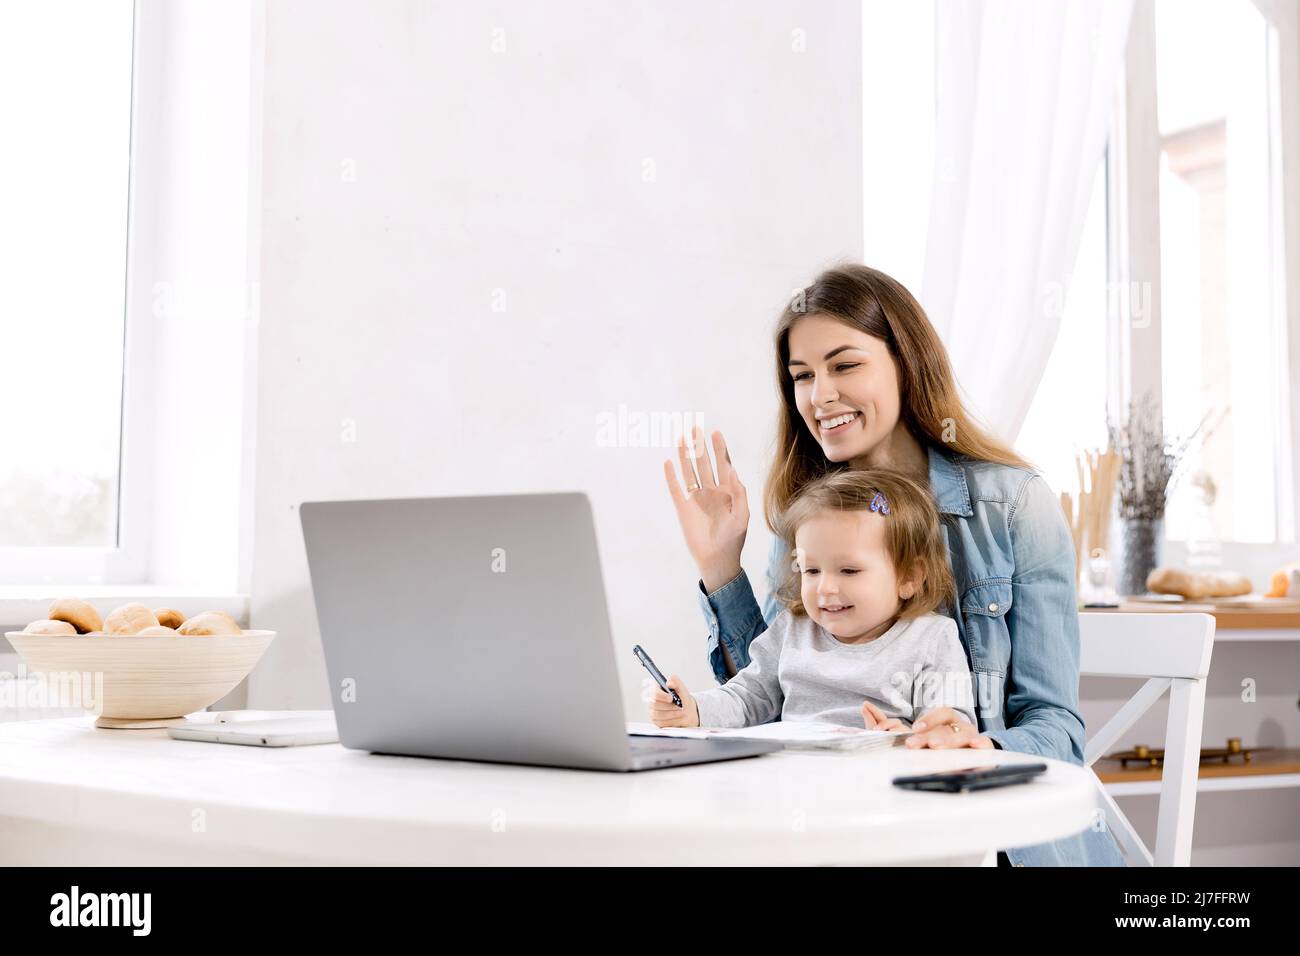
<point x="973" y="778"/>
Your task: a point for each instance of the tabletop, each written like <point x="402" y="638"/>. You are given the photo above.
<point x="328" y="804"/>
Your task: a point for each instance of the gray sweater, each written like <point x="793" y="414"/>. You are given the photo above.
<point x="798" y="671"/>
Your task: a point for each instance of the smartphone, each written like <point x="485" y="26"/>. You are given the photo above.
<point x="973" y="778"/>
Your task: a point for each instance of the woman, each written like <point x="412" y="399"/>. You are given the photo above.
<point x="865" y="382"/>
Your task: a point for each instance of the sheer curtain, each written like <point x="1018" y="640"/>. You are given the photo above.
<point x="1024" y="95"/>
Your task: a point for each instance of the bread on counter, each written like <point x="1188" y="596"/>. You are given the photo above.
<point x="1198" y="585"/>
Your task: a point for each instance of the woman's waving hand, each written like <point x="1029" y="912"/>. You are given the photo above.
<point x="713" y="508"/>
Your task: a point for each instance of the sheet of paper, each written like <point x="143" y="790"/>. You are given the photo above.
<point x="791" y="731"/>
<point x="650" y="730"/>
<point x="808" y="731"/>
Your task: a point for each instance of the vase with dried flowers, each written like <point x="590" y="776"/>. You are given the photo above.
<point x="1150" y="466"/>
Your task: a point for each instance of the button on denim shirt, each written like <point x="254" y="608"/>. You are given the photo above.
<point x="1013" y="561"/>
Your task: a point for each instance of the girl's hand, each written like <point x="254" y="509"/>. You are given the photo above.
<point x="715" y="517"/>
<point x="664" y="713"/>
<point x="873" y="718"/>
<point x="935" y="731"/>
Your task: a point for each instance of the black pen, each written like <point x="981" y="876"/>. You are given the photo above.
<point x="649" y="665"/>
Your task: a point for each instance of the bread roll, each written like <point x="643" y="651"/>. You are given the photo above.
<point x="129" y="619"/>
<point x="160" y="630"/>
<point x="1196" y="586"/>
<point x="169" y="617"/>
<point x="77" y="613"/>
<point x="209" y="624"/>
<point x="60" y="628"/>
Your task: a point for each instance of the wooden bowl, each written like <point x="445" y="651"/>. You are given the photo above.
<point x="139" y="682"/>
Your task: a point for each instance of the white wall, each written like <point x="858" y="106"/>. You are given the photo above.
<point x="608" y="208"/>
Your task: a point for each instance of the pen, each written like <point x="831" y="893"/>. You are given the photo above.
<point x="649" y="665"/>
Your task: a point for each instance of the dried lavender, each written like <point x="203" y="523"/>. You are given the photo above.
<point x="1149" y="463"/>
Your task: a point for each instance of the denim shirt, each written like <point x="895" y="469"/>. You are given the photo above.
<point x="1012" y="557"/>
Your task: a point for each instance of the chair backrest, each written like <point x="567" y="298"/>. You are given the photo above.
<point x="1172" y="651"/>
<point x="1145" y="644"/>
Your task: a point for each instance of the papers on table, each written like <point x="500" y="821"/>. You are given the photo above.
<point x="794" y="734"/>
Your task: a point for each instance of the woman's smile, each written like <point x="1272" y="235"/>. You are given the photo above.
<point x="832" y="427"/>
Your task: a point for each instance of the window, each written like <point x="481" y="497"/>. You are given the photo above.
<point x="65" y="73"/>
<point x="1219" y="321"/>
<point x="1221" y="330"/>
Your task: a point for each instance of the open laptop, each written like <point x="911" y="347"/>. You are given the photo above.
<point x="475" y="628"/>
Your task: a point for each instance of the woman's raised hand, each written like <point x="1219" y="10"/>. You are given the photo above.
<point x="713" y="509"/>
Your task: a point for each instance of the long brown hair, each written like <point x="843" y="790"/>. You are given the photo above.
<point x="912" y="534"/>
<point x="929" y="406"/>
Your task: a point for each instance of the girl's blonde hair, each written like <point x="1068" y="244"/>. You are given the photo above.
<point x="929" y="405"/>
<point x="913" y="534"/>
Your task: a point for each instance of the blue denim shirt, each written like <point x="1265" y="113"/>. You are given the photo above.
<point x="1013" y="560"/>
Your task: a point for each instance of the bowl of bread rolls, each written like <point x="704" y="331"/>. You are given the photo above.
<point x="140" y="667"/>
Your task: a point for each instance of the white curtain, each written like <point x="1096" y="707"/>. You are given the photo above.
<point x="1024" y="94"/>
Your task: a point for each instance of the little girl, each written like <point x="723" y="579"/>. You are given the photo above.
<point x="859" y="642"/>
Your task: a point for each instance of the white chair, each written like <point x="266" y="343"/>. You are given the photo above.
<point x="1172" y="650"/>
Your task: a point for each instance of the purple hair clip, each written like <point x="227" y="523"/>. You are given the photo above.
<point x="878" y="503"/>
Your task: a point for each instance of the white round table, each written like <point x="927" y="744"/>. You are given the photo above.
<point x="71" y="794"/>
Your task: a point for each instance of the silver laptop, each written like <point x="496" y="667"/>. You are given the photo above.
<point x="475" y="628"/>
